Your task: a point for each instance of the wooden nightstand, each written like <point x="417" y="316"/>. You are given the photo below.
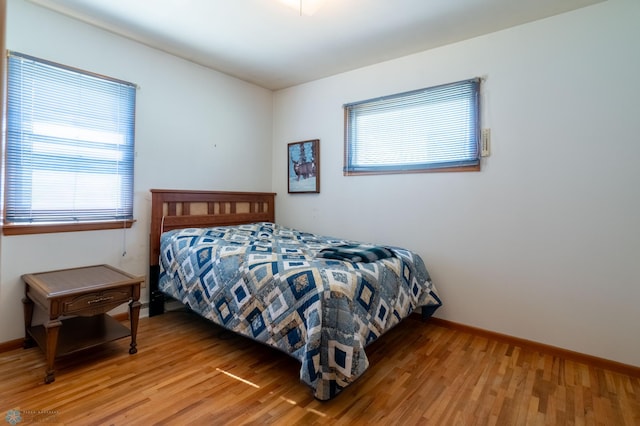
<point x="76" y="302"/>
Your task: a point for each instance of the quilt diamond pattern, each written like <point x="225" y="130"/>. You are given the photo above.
<point x="268" y="283"/>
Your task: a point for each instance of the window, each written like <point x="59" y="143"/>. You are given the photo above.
<point x="433" y="129"/>
<point x="69" y="149"/>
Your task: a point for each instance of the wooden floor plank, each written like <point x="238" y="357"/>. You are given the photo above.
<point x="188" y="371"/>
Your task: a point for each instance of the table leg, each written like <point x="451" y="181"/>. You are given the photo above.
<point x="52" y="328"/>
<point x="28" y="315"/>
<point x="134" y="315"/>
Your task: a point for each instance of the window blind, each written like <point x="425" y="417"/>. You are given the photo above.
<point x="70" y="144"/>
<point x="430" y="128"/>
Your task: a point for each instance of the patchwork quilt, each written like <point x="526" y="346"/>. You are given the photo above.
<point x="272" y="284"/>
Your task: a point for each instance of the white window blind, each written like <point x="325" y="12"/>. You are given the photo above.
<point x="70" y="144"/>
<point x="436" y="127"/>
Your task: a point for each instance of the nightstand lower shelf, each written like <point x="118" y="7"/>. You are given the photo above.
<point x="80" y="333"/>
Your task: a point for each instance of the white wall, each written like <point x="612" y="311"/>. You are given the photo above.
<point x="195" y="128"/>
<point x="544" y="242"/>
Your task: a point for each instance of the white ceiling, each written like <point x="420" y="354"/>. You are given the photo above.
<point x="266" y="43"/>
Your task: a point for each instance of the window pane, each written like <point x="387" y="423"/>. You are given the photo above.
<point x="429" y="128"/>
<point x="70" y="145"/>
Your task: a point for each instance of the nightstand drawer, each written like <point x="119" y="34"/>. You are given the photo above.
<point x="97" y="302"/>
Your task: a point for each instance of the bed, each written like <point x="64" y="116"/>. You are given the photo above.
<point x="321" y="300"/>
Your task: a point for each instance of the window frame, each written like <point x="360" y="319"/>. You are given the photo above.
<point x="86" y="224"/>
<point x="472" y="165"/>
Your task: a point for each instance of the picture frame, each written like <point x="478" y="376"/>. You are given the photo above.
<point x="303" y="167"/>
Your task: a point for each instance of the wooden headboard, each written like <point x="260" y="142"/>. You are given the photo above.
<point x="174" y="209"/>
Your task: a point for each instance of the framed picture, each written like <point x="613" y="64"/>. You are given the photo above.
<point x="303" y="164"/>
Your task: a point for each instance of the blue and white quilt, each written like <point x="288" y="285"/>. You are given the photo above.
<point x="272" y="284"/>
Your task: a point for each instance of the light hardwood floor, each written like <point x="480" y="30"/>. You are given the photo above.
<point x="188" y="371"/>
